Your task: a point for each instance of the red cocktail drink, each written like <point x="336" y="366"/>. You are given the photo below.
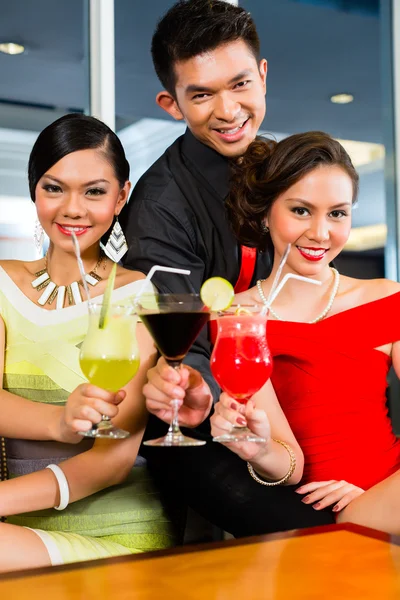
<point x="241" y="360"/>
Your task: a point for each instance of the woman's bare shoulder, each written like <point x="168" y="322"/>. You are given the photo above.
<point x="369" y="290"/>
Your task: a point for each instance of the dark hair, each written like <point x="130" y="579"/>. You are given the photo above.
<point x="193" y="27"/>
<point x="71" y="133"/>
<point x="269" y="168"/>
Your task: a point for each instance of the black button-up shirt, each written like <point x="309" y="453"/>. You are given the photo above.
<point x="176" y="218"/>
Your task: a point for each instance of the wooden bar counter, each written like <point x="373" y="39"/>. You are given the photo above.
<point x="343" y="562"/>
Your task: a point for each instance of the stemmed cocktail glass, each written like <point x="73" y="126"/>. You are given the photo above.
<point x="109" y="357"/>
<point x="241" y="360"/>
<point x="174" y="321"/>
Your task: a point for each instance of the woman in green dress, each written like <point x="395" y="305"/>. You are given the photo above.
<point x="79" y="181"/>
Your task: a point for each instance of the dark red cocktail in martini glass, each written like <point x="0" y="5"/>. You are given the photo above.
<point x="174" y="321"/>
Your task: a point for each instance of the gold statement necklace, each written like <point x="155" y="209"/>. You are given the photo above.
<point x="52" y="291"/>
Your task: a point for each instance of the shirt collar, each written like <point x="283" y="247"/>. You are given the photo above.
<point x="207" y="162"/>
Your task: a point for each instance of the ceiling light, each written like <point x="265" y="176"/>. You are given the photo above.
<point x="342" y="98"/>
<point x="11" y="48"/>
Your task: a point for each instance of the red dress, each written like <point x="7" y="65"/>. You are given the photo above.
<point x="331" y="383"/>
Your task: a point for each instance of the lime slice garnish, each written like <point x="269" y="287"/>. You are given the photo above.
<point x="105" y="307"/>
<point x="217" y="293"/>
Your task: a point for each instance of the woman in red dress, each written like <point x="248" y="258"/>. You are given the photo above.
<point x="332" y="345"/>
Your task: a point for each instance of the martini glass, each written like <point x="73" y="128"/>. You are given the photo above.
<point x="241" y="360"/>
<point x="174" y="321"/>
<point x="109" y="358"/>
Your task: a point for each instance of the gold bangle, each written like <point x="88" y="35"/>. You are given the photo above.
<point x="288" y="474"/>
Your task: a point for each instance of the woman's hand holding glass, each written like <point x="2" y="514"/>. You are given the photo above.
<point x="109" y="357"/>
<point x="85" y="407"/>
<point x="187" y="385"/>
<point x="228" y="413"/>
<point x="241" y="361"/>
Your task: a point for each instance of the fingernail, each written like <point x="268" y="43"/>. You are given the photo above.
<point x="336" y="508"/>
<point x="316" y="506"/>
<point x="177" y="392"/>
<point x="233" y="406"/>
<point x="299" y="490"/>
<point x="241" y="421"/>
<point x="306" y="499"/>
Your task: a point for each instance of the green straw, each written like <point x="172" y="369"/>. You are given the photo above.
<point x="105" y="307"/>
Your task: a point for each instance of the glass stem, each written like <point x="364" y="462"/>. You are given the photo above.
<point x="174" y="425"/>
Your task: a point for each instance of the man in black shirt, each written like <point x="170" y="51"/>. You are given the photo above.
<point x="176" y="214"/>
<point x="206" y="55"/>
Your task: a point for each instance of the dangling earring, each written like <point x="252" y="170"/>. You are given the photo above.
<point x="116" y="246"/>
<point x="265" y="228"/>
<point x="38" y="236"/>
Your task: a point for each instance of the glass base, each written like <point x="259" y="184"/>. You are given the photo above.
<point x="105" y="429"/>
<point x="174" y="439"/>
<point x="239" y="434"/>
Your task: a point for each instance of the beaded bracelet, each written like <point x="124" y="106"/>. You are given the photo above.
<point x="3" y="466"/>
<point x="288" y="474"/>
<point x="3" y="460"/>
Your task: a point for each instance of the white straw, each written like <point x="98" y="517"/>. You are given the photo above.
<point x="80" y="264"/>
<point x="151" y="273"/>
<point x="286" y="278"/>
<point x="275" y="288"/>
<point x="278" y="274"/>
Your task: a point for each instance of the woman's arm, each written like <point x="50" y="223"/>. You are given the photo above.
<point x="22" y="418"/>
<point x="164" y="384"/>
<point x="264" y="416"/>
<point x="107" y="463"/>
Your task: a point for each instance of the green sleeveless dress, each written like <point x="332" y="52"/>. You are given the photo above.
<point x="41" y="364"/>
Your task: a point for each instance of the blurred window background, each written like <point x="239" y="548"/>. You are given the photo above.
<point x="43" y="76"/>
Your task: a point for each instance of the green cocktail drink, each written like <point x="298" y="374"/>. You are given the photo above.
<point x="109" y="356"/>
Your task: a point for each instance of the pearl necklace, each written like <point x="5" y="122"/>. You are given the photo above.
<point x="336" y="281"/>
<point x="52" y="290"/>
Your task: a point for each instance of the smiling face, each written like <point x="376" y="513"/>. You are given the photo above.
<point x="79" y="193"/>
<point x="221" y="96"/>
<point x="314" y="215"/>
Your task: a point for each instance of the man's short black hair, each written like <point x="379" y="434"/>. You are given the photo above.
<point x="192" y="27"/>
